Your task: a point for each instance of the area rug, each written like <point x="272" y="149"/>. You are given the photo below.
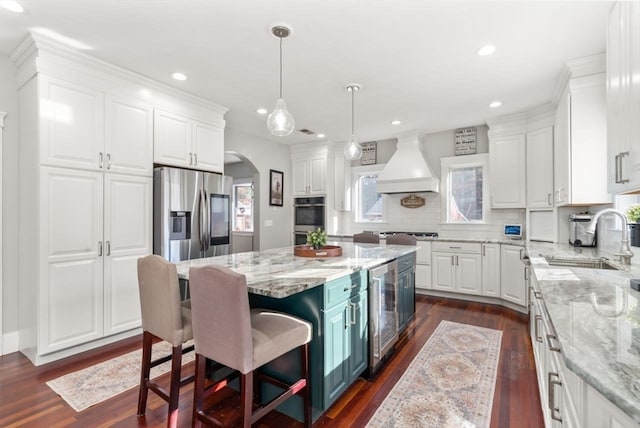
<point x="450" y="383"/>
<point x="86" y="387"/>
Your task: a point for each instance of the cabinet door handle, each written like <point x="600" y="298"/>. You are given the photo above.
<point x="521" y="253"/>
<point x="536" y="329"/>
<point x="452" y="261"/>
<point x="483" y="251"/>
<point x="526" y="274"/>
<point x="190" y="158"/>
<point x="353" y="313"/>
<point x="549" y="199"/>
<point x="551" y="337"/>
<point x="622" y="179"/>
<point x="457" y="261"/>
<point x="195" y="159"/>
<point x="101" y="158"/>
<point x="552" y="396"/>
<point x="617" y="166"/>
<point x="108" y="248"/>
<point x="108" y="160"/>
<point x="99" y="248"/>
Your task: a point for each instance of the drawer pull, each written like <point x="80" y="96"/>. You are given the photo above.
<point x="353" y="285"/>
<point x="451" y="246"/>
<point x="551" y="337"/>
<point x="552" y="395"/>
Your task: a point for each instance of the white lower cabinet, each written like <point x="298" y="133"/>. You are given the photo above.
<point x="456" y="267"/>
<point x="601" y="413"/>
<point x="93" y="228"/>
<point x="491" y="270"/>
<point x="423" y="265"/>
<point x="513" y="274"/>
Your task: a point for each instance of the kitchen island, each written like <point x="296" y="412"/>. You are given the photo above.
<point x="332" y="294"/>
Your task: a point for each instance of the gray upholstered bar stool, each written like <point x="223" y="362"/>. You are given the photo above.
<point x="401" y="239"/>
<point x="366" y="238"/>
<point x="164" y="317"/>
<point x="227" y="331"/>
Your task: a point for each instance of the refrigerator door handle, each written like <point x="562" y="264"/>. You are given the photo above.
<point x="201" y="226"/>
<point x="207" y="220"/>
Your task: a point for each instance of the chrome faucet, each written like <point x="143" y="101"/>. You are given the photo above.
<point x="625" y="251"/>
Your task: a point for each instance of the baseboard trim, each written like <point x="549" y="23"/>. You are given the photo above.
<point x="9" y="343"/>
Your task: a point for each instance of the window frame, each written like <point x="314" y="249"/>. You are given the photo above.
<point x="239" y="183"/>
<point x="356" y="173"/>
<point x="458" y="162"/>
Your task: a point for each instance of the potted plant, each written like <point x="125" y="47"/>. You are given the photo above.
<point x="633" y="217"/>
<point x="316" y="238"/>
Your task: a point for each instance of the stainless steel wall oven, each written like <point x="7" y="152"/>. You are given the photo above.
<point x="309" y="214"/>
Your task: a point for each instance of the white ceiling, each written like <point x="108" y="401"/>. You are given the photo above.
<point x="415" y="59"/>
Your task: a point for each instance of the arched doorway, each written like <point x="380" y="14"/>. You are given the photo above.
<point x="245" y="202"/>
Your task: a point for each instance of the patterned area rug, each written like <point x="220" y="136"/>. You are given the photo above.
<point x="86" y="387"/>
<point x="450" y="383"/>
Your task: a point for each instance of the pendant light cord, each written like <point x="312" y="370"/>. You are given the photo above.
<point x="280" y="67"/>
<point x="353" y="114"/>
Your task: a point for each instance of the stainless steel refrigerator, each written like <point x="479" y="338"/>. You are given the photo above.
<point x="191" y="214"/>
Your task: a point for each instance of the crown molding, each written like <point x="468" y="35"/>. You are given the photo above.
<point x="579" y="67"/>
<point x="38" y="53"/>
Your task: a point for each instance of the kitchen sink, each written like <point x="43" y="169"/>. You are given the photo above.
<point x="581" y="263"/>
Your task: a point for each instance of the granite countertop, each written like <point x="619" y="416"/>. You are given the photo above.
<point x="449" y="239"/>
<point x="596" y="316"/>
<point x="278" y="273"/>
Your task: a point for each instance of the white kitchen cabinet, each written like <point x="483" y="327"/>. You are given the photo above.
<point x="513" y="274"/>
<point x="71" y="119"/>
<point x="127" y="236"/>
<point x="342" y="183"/>
<point x="456" y="267"/>
<point x="491" y="270"/>
<point x="70" y="305"/>
<point x="580" y="176"/>
<point x="423" y="265"/>
<point x="540" y="168"/>
<point x="129" y="137"/>
<point x="184" y="142"/>
<point x="623" y="98"/>
<point x="309" y="175"/>
<point x="91" y="290"/>
<point x="507" y="169"/>
<point x="601" y="413"/>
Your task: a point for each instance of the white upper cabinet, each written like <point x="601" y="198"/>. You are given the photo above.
<point x="71" y="124"/>
<point x="623" y="98"/>
<point x="309" y="172"/>
<point x="129" y="137"/>
<point x="540" y="168"/>
<point x="580" y="143"/>
<point x="507" y="171"/>
<point x="208" y="146"/>
<point x="183" y="142"/>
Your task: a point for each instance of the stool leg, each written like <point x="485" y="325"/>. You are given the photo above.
<point x="246" y="395"/>
<point x="306" y="392"/>
<point x="174" y="388"/>
<point x="144" y="372"/>
<point x="198" y="389"/>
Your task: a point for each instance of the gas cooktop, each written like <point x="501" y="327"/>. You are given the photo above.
<point x="420" y="234"/>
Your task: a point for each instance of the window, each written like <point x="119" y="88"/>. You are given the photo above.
<point x="243" y="207"/>
<point x="465" y="189"/>
<point x="369" y="204"/>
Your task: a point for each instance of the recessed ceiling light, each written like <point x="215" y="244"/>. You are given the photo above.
<point x="321" y="135"/>
<point x="486" y="50"/>
<point x="179" y="76"/>
<point x="262" y="111"/>
<point x="11" y="5"/>
<point x="495" y="104"/>
<point x="396" y="122"/>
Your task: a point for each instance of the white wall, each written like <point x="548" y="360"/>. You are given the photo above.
<point x="9" y="104"/>
<point x="428" y="217"/>
<point x="266" y="155"/>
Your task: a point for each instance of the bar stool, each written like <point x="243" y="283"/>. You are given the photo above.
<point x="366" y="238"/>
<point x="163" y="317"/>
<point x="227" y="331"/>
<point x="401" y="239"/>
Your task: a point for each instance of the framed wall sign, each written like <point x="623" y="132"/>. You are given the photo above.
<point x="275" y="187"/>
<point x="368" y="154"/>
<point x="465" y="141"/>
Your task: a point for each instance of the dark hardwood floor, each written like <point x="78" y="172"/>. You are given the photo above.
<point x="25" y="400"/>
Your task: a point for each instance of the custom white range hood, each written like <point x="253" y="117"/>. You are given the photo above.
<point x="407" y="171"/>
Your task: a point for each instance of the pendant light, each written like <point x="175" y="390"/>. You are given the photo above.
<point x="280" y="122"/>
<point x="353" y="150"/>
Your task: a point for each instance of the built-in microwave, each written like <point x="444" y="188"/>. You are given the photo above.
<point x="309" y="213"/>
